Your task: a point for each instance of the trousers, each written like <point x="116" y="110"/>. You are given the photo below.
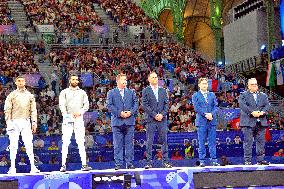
<point x="123" y="137"/>
<point x="68" y="127"/>
<point x="15" y="128"/>
<point x="207" y="133"/>
<point x="162" y="131"/>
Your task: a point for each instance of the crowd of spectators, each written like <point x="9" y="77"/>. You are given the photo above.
<point x="5" y="14"/>
<point x="136" y="62"/>
<point x="16" y="58"/>
<point x="127" y="13"/>
<point x="66" y="16"/>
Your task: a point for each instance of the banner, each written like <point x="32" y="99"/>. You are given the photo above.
<point x="87" y="79"/>
<point x="32" y="80"/>
<point x="135" y="30"/>
<point x="48" y="38"/>
<point x="8" y="29"/>
<point x="45" y="28"/>
<point x="100" y="29"/>
<point x="90" y="116"/>
<point x="230" y="113"/>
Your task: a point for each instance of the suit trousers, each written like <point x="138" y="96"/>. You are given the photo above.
<point x="14" y="129"/>
<point x="162" y="130"/>
<point x="204" y="133"/>
<point x="123" y="136"/>
<point x="68" y="127"/>
<point x="256" y="133"/>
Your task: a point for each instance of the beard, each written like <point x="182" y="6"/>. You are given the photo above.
<point x="74" y="85"/>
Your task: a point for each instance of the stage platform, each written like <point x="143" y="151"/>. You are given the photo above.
<point x="237" y="176"/>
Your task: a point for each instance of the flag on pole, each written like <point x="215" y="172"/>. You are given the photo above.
<point x="213" y="85"/>
<point x="279" y="68"/>
<point x="271" y="75"/>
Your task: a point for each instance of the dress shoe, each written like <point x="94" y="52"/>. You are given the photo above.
<point x="86" y="168"/>
<point x="263" y="163"/>
<point x="148" y="166"/>
<point x="167" y="165"/>
<point x="63" y="168"/>
<point x="117" y="167"/>
<point x="248" y="163"/>
<point x="130" y="166"/>
<point x="34" y="169"/>
<point x="215" y="164"/>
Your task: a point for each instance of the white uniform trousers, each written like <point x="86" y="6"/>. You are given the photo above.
<point x="68" y="126"/>
<point x="14" y="129"/>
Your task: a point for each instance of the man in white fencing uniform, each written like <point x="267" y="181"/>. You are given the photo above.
<point x="21" y="118"/>
<point x="73" y="103"/>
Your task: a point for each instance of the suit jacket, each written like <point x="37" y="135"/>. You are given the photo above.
<point x="151" y="107"/>
<point x="201" y="107"/>
<point x="115" y="105"/>
<point x="248" y="105"/>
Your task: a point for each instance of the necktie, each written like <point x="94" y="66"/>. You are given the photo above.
<point x="255" y="96"/>
<point x="122" y="93"/>
<point x="157" y="94"/>
<point x="206" y="97"/>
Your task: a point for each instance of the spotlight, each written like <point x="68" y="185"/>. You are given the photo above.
<point x="262" y="47"/>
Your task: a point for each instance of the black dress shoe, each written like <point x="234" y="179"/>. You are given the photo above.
<point x="148" y="166"/>
<point x="130" y="166"/>
<point x="117" y="167"/>
<point x="263" y="163"/>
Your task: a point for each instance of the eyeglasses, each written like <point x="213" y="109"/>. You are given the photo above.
<point x="253" y="84"/>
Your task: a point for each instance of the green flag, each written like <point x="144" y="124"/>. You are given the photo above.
<point x="271" y="75"/>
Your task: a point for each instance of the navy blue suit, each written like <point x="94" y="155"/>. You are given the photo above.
<point x="253" y="127"/>
<point x="206" y="129"/>
<point x="151" y="108"/>
<point x="122" y="128"/>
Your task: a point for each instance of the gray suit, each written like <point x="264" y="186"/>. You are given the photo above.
<point x="253" y="127"/>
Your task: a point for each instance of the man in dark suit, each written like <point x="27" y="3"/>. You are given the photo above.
<point x="254" y="106"/>
<point x="155" y="103"/>
<point x="122" y="103"/>
<point x="205" y="105"/>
